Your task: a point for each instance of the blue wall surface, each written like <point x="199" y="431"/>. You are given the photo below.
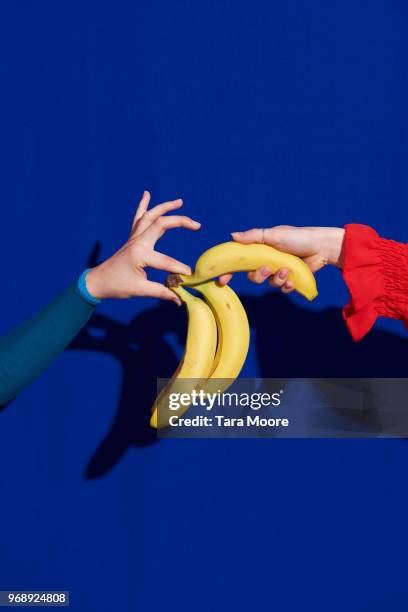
<point x="256" y="113"/>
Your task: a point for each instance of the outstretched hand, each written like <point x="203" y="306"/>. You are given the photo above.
<point x="317" y="246"/>
<point x="123" y="275"/>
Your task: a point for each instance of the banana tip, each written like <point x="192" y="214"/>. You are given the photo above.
<point x="153" y="420"/>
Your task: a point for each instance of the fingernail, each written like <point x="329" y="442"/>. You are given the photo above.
<point x="196" y="224"/>
<point x="235" y="234"/>
<point x="265" y="271"/>
<point x="282" y="273"/>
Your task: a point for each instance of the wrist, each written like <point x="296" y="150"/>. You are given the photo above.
<point x="95" y="284"/>
<point x="333" y="246"/>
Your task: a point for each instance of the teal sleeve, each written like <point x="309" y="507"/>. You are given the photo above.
<point x="26" y="351"/>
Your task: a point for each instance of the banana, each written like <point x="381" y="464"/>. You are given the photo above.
<point x="233" y="329"/>
<point x="198" y="359"/>
<point x="233" y="342"/>
<point x="236" y="257"/>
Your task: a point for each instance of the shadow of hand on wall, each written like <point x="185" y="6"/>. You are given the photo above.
<point x="365" y="390"/>
<point x="292" y="341"/>
<point x="143" y="353"/>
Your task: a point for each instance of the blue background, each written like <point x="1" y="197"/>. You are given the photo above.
<point x="256" y="113"/>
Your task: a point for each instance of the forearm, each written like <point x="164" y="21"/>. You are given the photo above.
<point x="27" y="350"/>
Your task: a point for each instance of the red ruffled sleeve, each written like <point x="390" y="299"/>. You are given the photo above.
<point x="376" y="273"/>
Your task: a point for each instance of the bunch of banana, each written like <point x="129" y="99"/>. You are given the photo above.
<point x="213" y="365"/>
<point x="217" y="358"/>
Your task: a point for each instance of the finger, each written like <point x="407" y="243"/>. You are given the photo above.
<point x="288" y="287"/>
<point x="157" y="290"/>
<point x="155" y="213"/>
<point x="161" y="209"/>
<point x="225" y="279"/>
<point x="141" y="209"/>
<point x="159" y="227"/>
<point x="249" y="237"/>
<point x="279" y="279"/>
<point x="160" y="261"/>
<point x="273" y="236"/>
<point x="260" y="275"/>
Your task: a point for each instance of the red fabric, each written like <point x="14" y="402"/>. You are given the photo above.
<point x="376" y="273"/>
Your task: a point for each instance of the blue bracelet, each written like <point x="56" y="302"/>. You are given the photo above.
<point x="84" y="291"/>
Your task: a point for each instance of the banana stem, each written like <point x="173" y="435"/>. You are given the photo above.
<point x="174" y="280"/>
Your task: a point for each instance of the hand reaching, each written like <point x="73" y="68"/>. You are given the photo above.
<point x="317" y="246"/>
<point x="123" y="275"/>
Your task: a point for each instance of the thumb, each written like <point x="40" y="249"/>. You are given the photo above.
<point x="249" y="237"/>
<point x="283" y="237"/>
<point x="157" y="290"/>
